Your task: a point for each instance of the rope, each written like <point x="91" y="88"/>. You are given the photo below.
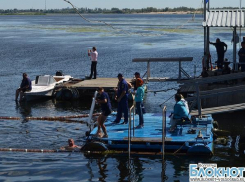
<point x="9" y="118"/>
<point x="179" y="149"/>
<point x="127" y="32"/>
<point x="166" y="100"/>
<point x="162" y="90"/>
<point x="34" y="150"/>
<point x="107" y="24"/>
<point x="165" y="90"/>
<point x="60" y="117"/>
<point x="54" y="118"/>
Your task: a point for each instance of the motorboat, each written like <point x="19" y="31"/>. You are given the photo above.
<point x="43" y="86"/>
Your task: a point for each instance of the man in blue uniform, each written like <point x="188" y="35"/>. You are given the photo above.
<point x="24" y="87"/>
<point x="122" y="99"/>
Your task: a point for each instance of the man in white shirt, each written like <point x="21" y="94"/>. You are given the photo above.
<point x="93" y="55"/>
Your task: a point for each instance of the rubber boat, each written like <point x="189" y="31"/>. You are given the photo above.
<point x="43" y="86"/>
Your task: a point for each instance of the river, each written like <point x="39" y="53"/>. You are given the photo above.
<point x="41" y="45"/>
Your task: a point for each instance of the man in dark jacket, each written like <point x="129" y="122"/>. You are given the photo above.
<point x="221" y="48"/>
<point x="105" y="103"/>
<point x="24" y="87"/>
<point x="241" y="54"/>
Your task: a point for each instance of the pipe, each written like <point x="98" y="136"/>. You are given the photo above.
<point x="60" y="117"/>
<point x="10" y="118"/>
<point x="32" y="150"/>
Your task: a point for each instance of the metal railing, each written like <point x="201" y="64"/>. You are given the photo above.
<point x="132" y="110"/>
<point x="164" y="112"/>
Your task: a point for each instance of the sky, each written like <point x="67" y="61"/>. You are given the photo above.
<point x="58" y="4"/>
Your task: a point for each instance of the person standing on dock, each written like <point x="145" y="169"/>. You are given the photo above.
<point x="137" y="76"/>
<point x="139" y="100"/>
<point x="122" y="99"/>
<point x="94" y="56"/>
<point x="221" y="48"/>
<point x="24" y="87"/>
<point x="241" y="54"/>
<point x="105" y="103"/>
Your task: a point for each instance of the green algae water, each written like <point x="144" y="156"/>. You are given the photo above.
<point x="41" y="45"/>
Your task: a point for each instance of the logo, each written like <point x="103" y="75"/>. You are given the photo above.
<point x="210" y="172"/>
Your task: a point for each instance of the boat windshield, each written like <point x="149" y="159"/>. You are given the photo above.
<point x="45" y="80"/>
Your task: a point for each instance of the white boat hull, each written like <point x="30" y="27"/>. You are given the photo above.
<point x="44" y="90"/>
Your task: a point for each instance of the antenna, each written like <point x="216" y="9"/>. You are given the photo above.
<point x="45" y="5"/>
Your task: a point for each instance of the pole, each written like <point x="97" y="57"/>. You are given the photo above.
<point x="148" y="70"/>
<point x="163" y="142"/>
<point x="205" y="29"/>
<point x="180" y="69"/>
<point x="208" y="37"/>
<point x="234" y="49"/>
<point x="198" y="101"/>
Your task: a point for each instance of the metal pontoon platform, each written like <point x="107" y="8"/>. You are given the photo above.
<point x="194" y="138"/>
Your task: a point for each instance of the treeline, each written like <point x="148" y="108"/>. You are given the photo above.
<point x="100" y="10"/>
<point x="97" y="10"/>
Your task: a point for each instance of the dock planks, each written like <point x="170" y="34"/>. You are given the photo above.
<point x="220" y="109"/>
<point x="106" y="83"/>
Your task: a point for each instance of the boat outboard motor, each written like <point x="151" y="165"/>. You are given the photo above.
<point x="36" y="81"/>
<point x="59" y="73"/>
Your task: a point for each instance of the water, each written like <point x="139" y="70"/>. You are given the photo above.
<point x="44" y="44"/>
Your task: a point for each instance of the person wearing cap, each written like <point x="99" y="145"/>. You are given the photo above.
<point x="24" y="87"/>
<point x="94" y="56"/>
<point x="105" y="103"/>
<point x="137" y="76"/>
<point x="139" y="99"/>
<point x="221" y="48"/>
<point x="122" y="99"/>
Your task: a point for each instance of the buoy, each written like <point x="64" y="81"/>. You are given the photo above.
<point x="94" y="146"/>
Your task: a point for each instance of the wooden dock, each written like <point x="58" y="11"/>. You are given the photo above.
<point x="220" y="109"/>
<point x="80" y="88"/>
<point x="218" y="94"/>
<point x="106" y="83"/>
